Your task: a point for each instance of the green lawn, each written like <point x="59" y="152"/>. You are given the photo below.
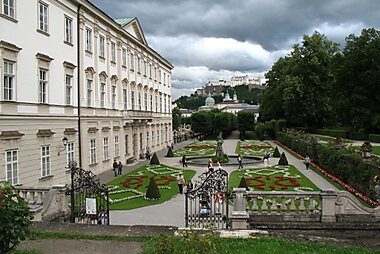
<point x="330" y="139"/>
<point x="138" y="181"/>
<point x="375" y="149"/>
<point x="253" y="147"/>
<point x="197" y="148"/>
<point x="268" y="175"/>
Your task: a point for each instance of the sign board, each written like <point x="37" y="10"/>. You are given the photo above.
<point x="90" y="205"/>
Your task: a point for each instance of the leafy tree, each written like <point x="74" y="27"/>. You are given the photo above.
<point x="223" y="121"/>
<point x="246" y="121"/>
<point x="358" y="75"/>
<point x="283" y="160"/>
<point x="260" y="130"/>
<point x="176" y="114"/>
<point x="154" y="160"/>
<point x="14" y="218"/>
<point x="153" y="192"/>
<point x="201" y="122"/>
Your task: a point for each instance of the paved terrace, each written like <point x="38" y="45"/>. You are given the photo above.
<point x="171" y="213"/>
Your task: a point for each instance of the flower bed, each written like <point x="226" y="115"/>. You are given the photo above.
<point x="335" y="179"/>
<point x="198" y="148"/>
<point x="254" y="148"/>
<point x="128" y="191"/>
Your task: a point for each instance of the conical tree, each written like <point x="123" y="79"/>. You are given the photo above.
<point x="283" y="160"/>
<point x="276" y="153"/>
<point x="155" y="160"/>
<point x="153" y="192"/>
<point x="170" y="153"/>
<point x="243" y="183"/>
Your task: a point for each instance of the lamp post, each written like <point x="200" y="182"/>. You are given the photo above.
<point x="64" y="142"/>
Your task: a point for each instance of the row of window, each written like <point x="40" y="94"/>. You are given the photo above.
<point x="147" y="70"/>
<point x="9" y="90"/>
<point x="12" y="160"/>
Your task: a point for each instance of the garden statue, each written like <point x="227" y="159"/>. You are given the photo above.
<point x="219" y="149"/>
<point x="366" y="149"/>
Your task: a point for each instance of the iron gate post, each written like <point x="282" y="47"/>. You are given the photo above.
<point x="186" y="210"/>
<point x="72" y="205"/>
<point x="108" y="207"/>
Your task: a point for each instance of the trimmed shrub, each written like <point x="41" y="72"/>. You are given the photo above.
<point x="154" y="160"/>
<point x="243" y="183"/>
<point x="333" y="133"/>
<point x="276" y="153"/>
<point x="14" y="218"/>
<point x="170" y="153"/>
<point x="283" y="160"/>
<point x="260" y="130"/>
<point x="374" y="138"/>
<point x="153" y="192"/>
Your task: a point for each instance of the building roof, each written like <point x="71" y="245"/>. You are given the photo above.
<point x="124" y="21"/>
<point x="209" y="100"/>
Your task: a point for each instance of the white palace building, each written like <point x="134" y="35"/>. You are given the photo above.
<point x="76" y="85"/>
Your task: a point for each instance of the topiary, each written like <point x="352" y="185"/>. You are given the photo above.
<point x="153" y="192"/>
<point x="155" y="160"/>
<point x="14" y="218"/>
<point x="243" y="183"/>
<point x="276" y="153"/>
<point x="170" y="153"/>
<point x="283" y="160"/>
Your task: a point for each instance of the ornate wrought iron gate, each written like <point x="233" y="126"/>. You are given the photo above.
<point x="89" y="199"/>
<point x="206" y="205"/>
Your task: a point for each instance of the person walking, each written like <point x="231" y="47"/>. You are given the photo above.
<point x="307" y="162"/>
<point x="184" y="164"/>
<point x="240" y="160"/>
<point x="189" y="186"/>
<point x="115" y="167"/>
<point x="181" y="182"/>
<point x="120" y="168"/>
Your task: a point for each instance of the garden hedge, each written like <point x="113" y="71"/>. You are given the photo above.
<point x="349" y="168"/>
<point x="333" y="133"/>
<point x="374" y="138"/>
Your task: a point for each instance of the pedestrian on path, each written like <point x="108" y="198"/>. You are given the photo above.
<point x="184" y="164"/>
<point x="120" y="168"/>
<point x="240" y="160"/>
<point x="266" y="159"/>
<point x="181" y="182"/>
<point x="115" y="167"/>
<point x="190" y="186"/>
<point x="307" y="162"/>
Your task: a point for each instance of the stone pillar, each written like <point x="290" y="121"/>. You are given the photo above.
<point x="328" y="199"/>
<point x="239" y="216"/>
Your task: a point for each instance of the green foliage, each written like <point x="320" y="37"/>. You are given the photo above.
<point x="276" y="153"/>
<point x="337" y="162"/>
<point x="14" y="218"/>
<point x="246" y="121"/>
<point x="153" y="192"/>
<point x="208" y="123"/>
<point x="221" y="159"/>
<point x="374" y="138"/>
<point x="260" y="130"/>
<point x="333" y="133"/>
<point x="176" y="115"/>
<point x="170" y="153"/>
<point x="283" y="160"/>
<point x="154" y="160"/>
<point x="243" y="183"/>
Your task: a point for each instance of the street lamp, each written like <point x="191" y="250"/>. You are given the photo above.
<point x="64" y="142"/>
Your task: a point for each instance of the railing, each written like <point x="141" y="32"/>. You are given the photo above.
<point x="328" y="206"/>
<point x="46" y="203"/>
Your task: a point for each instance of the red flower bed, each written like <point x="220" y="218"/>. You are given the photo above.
<point x="335" y="179"/>
<point x="261" y="184"/>
<point x="293" y="182"/>
<point x="201" y="147"/>
<point x="166" y="180"/>
<point x="256" y="147"/>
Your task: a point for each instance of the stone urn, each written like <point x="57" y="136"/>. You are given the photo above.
<point x="377" y="190"/>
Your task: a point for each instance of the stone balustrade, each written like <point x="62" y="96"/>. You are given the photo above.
<point x="327" y="206"/>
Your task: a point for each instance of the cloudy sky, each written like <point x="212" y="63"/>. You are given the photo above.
<point x="217" y="39"/>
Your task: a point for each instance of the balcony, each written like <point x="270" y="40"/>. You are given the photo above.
<point x="138" y="115"/>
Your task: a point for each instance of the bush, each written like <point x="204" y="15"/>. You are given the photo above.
<point x="14" y="218"/>
<point x="243" y="183"/>
<point x="374" y="138"/>
<point x="359" y="135"/>
<point x="276" y="153"/>
<point x="153" y="192"/>
<point x="221" y="159"/>
<point x="154" y="160"/>
<point x="260" y="130"/>
<point x="333" y="133"/>
<point x="170" y="153"/>
<point x="280" y="125"/>
<point x="283" y="160"/>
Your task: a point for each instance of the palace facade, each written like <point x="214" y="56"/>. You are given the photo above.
<point x="76" y="86"/>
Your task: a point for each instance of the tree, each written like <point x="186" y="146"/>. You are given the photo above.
<point x="14" y="218"/>
<point x="154" y="160"/>
<point x="176" y="114"/>
<point x="201" y="122"/>
<point x="153" y="192"/>
<point x="246" y="121"/>
<point x="260" y="130"/>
